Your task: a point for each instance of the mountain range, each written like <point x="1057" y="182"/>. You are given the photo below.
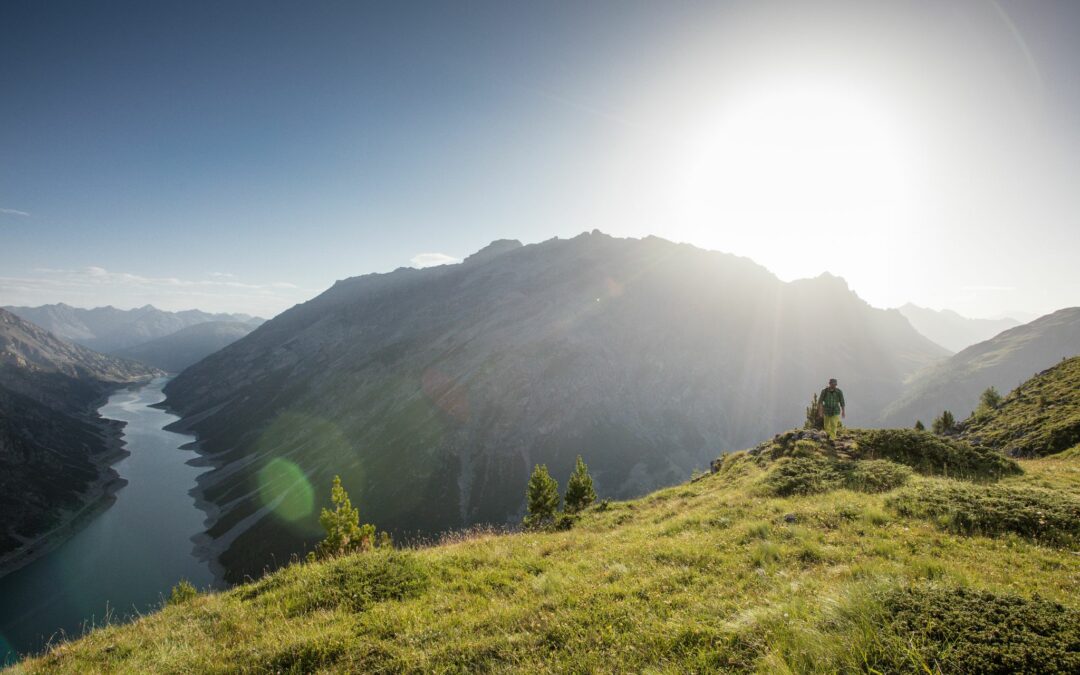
<point x="951" y="330"/>
<point x="1002" y="362"/>
<point x="433" y="392"/>
<point x="176" y="351"/>
<point x="55" y="450"/>
<point x="111" y="330"/>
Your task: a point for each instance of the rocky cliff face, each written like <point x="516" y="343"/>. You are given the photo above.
<point x="1003" y="361"/>
<point x="433" y="392"/>
<point x="54" y="450"/>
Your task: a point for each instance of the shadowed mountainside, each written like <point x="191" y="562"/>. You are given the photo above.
<point x="176" y="351"/>
<point x="55" y="451"/>
<point x="434" y="391"/>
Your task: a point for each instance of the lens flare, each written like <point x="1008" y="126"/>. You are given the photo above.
<point x="285" y="489"/>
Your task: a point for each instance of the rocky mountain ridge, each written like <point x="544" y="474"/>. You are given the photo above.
<point x="434" y="391"/>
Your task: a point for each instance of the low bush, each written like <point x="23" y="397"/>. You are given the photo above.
<point x="791" y="476"/>
<point x="933" y="455"/>
<point x="875" y="475"/>
<point x="1049" y="517"/>
<point x="182" y="592"/>
<point x="360" y="580"/>
<point x="957" y="630"/>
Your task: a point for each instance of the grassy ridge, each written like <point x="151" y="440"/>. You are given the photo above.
<point x="716" y="574"/>
<point x="1040" y="417"/>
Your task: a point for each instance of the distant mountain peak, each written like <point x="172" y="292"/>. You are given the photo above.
<point x="493" y="250"/>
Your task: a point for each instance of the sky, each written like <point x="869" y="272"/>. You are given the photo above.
<point x="242" y="157"/>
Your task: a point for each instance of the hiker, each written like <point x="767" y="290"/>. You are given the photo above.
<point x="831" y="406"/>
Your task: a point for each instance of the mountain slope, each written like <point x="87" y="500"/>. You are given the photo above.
<point x="1041" y="417"/>
<point x="434" y="391"/>
<point x="111" y="330"/>
<point x="176" y="351"/>
<point x="54" y="450"/>
<point x="1002" y="362"/>
<point x="716" y="575"/>
<point x="952" y="331"/>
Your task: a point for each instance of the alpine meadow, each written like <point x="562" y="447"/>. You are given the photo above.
<point x="727" y="336"/>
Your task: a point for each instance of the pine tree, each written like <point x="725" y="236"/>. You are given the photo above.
<point x="990" y="399"/>
<point x="919" y="426"/>
<point x="814" y="420"/>
<point x="579" y="488"/>
<point x="344" y="533"/>
<point x="541" y="499"/>
<point x="945" y="424"/>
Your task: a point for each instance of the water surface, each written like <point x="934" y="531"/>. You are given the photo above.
<point x="130" y="556"/>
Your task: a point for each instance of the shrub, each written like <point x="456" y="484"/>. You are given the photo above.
<point x="182" y="592"/>
<point x="802" y="476"/>
<point x="1049" y="517"/>
<point x="579" y="488"/>
<point x="957" y="630"/>
<point x="934" y="455"/>
<point x="356" y="582"/>
<point x="541" y="499"/>
<point x="919" y="426"/>
<point x="875" y="475"/>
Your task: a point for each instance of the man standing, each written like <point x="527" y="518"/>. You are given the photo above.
<point x="831" y="405"/>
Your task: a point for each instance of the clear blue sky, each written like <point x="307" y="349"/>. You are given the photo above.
<point x="243" y="156"/>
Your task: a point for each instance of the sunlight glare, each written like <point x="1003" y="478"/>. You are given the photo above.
<point x="802" y="179"/>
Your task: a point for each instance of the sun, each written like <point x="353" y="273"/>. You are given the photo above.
<point x="801" y="177"/>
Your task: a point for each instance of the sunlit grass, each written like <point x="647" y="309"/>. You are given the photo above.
<point x="706" y="576"/>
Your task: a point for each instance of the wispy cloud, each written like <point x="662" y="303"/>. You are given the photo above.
<point x="432" y="259"/>
<point x="15" y="212"/>
<point x="94" y="286"/>
<point x="222" y="275"/>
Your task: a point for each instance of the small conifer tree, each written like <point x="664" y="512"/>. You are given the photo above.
<point x="579" y="489"/>
<point x="344" y="533"/>
<point x="814" y="419"/>
<point x="182" y="592"/>
<point x="945" y="424"/>
<point x="541" y="499"/>
<point x="919" y="426"/>
<point x="990" y="399"/>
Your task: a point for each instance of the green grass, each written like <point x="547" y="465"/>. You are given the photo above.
<point x="1040" y="417"/>
<point x="719" y="574"/>
<point x="1046" y="516"/>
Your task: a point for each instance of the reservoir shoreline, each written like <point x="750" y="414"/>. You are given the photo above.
<point x="126" y="549"/>
<point x="99" y="495"/>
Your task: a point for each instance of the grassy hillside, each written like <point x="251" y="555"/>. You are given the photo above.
<point x="1003" y="361"/>
<point x="890" y="550"/>
<point x="1040" y="417"/>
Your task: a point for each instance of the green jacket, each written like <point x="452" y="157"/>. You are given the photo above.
<point x="832" y="400"/>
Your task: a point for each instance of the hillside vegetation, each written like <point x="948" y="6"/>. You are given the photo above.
<point x="1003" y="362"/>
<point x="887" y="551"/>
<point x="1041" y="417"/>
